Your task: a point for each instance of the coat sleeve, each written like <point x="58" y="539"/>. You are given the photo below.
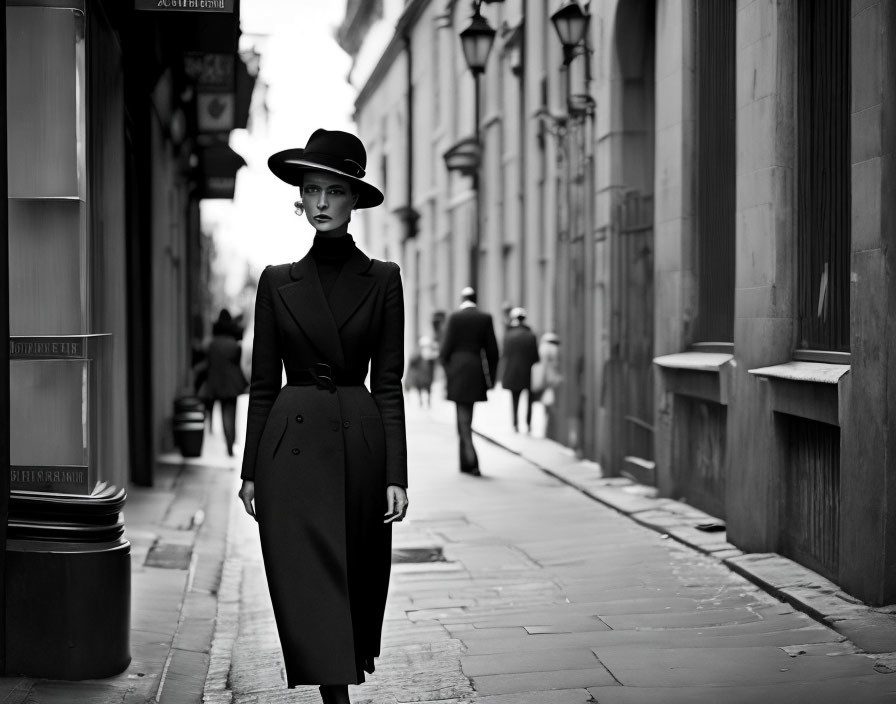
<point x="532" y="351"/>
<point x="267" y="373"/>
<point x="491" y="350"/>
<point x="447" y="347"/>
<point x="386" y="367"/>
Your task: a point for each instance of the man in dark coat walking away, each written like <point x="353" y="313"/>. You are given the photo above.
<point x="469" y="354"/>
<point x="520" y="353"/>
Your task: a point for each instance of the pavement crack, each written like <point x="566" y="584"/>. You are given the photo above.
<point x="609" y="672"/>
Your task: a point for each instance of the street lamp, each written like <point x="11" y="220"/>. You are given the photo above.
<point x="476" y="42"/>
<point x="571" y="23"/>
<point x="464" y="157"/>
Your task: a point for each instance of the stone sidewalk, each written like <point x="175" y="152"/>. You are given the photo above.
<point x="518" y="588"/>
<point x="871" y="629"/>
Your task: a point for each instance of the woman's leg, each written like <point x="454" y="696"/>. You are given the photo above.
<point x="228" y="415"/>
<point x="209" y="412"/>
<point x="335" y="694"/>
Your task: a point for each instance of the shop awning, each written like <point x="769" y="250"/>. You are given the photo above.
<point x="217" y="169"/>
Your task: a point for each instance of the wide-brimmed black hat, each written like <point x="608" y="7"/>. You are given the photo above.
<point x="339" y="153"/>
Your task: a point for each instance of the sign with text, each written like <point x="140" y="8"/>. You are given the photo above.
<point x="46" y="347"/>
<point x="62" y="479"/>
<point x="185" y="5"/>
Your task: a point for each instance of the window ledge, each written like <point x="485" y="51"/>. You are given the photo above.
<point x="697" y="375"/>
<point x="815" y="372"/>
<point x="805" y="389"/>
<point x="694" y="361"/>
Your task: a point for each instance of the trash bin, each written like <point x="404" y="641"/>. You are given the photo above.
<point x="189" y="425"/>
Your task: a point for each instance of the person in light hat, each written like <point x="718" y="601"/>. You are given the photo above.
<point x="325" y="461"/>
<point x="469" y="354"/>
<point x="546" y="377"/>
<point x="519" y="354"/>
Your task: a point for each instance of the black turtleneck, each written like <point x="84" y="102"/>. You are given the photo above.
<point x="329" y="254"/>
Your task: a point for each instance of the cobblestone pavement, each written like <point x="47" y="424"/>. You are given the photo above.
<point x="544" y="595"/>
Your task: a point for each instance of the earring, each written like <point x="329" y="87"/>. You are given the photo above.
<point x="300" y="208"/>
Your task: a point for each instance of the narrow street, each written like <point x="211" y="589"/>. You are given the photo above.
<point x="541" y="594"/>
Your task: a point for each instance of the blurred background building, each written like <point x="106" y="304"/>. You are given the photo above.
<point x="695" y="195"/>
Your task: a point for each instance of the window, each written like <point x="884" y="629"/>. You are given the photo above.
<point x="823" y="175"/>
<point x="716" y="176"/>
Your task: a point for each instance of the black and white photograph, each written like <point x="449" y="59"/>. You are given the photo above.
<point x="448" y="352"/>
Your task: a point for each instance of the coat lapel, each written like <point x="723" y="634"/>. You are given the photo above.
<point x="305" y="301"/>
<point x="351" y="288"/>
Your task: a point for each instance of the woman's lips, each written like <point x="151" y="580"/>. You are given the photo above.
<point x="322" y="218"/>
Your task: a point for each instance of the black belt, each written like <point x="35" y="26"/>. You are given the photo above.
<point x="320" y="375"/>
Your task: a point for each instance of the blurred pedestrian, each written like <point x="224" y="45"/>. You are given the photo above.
<point x="546" y="376"/>
<point x="506" y="310"/>
<point x="519" y="354"/>
<point x="224" y="379"/>
<point x="420" y="369"/>
<point x="469" y="354"/>
<point x="325" y="463"/>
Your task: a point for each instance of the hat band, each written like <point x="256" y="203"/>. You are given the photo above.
<point x="347" y="166"/>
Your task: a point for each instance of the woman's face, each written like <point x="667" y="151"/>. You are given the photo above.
<point x="328" y="201"/>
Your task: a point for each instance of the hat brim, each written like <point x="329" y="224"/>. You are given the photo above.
<point x="289" y="166"/>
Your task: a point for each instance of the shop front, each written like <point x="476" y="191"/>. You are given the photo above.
<point x="90" y="250"/>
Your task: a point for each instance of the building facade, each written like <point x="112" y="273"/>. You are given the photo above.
<point x="117" y="118"/>
<point x="698" y="204"/>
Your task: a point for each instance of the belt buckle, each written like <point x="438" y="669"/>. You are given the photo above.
<point x="323" y="375"/>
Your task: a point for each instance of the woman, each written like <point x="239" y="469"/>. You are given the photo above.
<point x="224" y="379"/>
<point x="325" y="460"/>
<point x="421" y="367"/>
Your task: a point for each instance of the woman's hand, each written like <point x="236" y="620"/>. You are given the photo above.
<point x="247" y="496"/>
<point x="396" y="503"/>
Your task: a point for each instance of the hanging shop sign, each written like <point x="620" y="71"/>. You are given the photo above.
<point x="210" y="71"/>
<point x="213" y="75"/>
<point x="218" y="167"/>
<point x="215" y="111"/>
<point x="185" y="5"/>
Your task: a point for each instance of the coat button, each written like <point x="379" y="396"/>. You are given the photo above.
<point x="295" y="450"/>
<point x="300" y="419"/>
<point x="346" y="424"/>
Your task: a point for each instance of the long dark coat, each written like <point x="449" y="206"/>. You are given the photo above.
<point x="469" y="350"/>
<point x="321" y="459"/>
<point x="225" y="376"/>
<point x="520" y="353"/>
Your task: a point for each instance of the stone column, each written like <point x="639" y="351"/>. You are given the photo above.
<point x="764" y="278"/>
<point x="867" y="468"/>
